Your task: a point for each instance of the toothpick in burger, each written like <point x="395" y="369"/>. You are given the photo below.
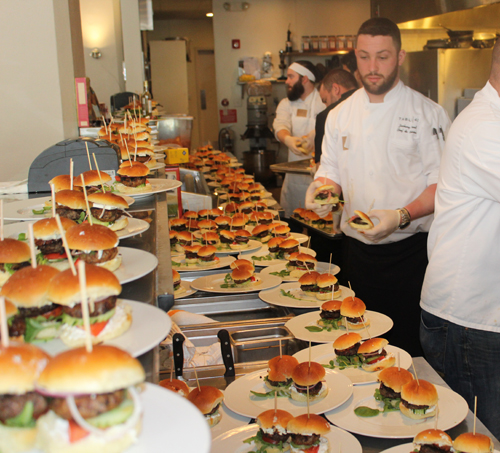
<point x="325" y="195"/>
<point x="353" y="310"/>
<point x="300" y="263"/>
<point x="360" y="221"/>
<point x="307" y="433"/>
<point x="92" y="180"/>
<point x="330" y="317"/>
<point x="308" y="283"/>
<point x="433" y="441"/>
<point x="373" y="355"/>
<point x="14" y="255"/>
<point x="262" y="233"/>
<point x="208" y="400"/>
<point x="241" y="239"/>
<point x="280" y="371"/>
<point x="473" y="443"/>
<point x="94" y="404"/>
<point x="108" y="210"/>
<point x="175" y="385"/>
<point x="327" y="285"/>
<point x="308" y="375"/>
<point x="133" y="179"/>
<point x="419" y="399"/>
<point x="71" y="204"/>
<point x="391" y="381"/>
<point x="272" y="437"/>
<point x="240" y="277"/>
<point x="346" y="349"/>
<point x="206" y="256"/>
<point x="48" y="240"/>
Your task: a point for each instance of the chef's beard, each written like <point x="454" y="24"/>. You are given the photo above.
<point x="386" y="86"/>
<point x="296" y="91"/>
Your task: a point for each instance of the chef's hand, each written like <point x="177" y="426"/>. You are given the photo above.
<point x="293" y="144"/>
<point x="308" y="141"/>
<point x="321" y="210"/>
<point x="389" y="220"/>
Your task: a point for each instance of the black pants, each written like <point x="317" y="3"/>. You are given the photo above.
<point x="388" y="278"/>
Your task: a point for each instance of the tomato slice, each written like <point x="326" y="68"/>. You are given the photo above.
<point x="117" y="178"/>
<point x="76" y="432"/>
<point x="55" y="313"/>
<point x="269" y="440"/>
<point x="96" y="328"/>
<point x="312" y="449"/>
<point x="56" y="256"/>
<point x="378" y="359"/>
<point x="253" y="279"/>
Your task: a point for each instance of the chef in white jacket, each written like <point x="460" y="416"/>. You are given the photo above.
<point x="294" y="126"/>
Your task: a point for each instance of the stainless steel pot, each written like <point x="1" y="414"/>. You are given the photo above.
<point x="484" y="40"/>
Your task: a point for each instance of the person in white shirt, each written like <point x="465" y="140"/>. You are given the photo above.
<point x="294" y="126"/>
<point x="382" y="150"/>
<point x="460" y="330"/>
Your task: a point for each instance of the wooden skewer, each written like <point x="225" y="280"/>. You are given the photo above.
<point x="128" y="154"/>
<point x="53" y="191"/>
<point x="4" y="328"/>
<point x="415" y="372"/>
<point x="475" y="415"/>
<point x="309" y="354"/>
<point x="85" y="308"/>
<point x="281" y="349"/>
<point x="352" y="295"/>
<point x="172" y="368"/>
<point x="105" y="127"/>
<point x="71" y="172"/>
<point x="436" y="418"/>
<point x="399" y="361"/>
<point x="308" y="411"/>
<point x="195" y="375"/>
<point x="99" y="173"/>
<point x="365" y="326"/>
<point x="88" y="154"/>
<point x="32" y="246"/>
<point x="275" y="401"/>
<point x="65" y="244"/>
<point x="86" y="200"/>
<point x="330" y="265"/>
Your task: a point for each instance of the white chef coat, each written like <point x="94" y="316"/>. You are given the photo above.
<point x="297" y="117"/>
<point x="384" y="155"/>
<point x="462" y="282"/>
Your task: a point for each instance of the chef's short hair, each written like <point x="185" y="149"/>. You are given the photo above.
<point x="340" y="76"/>
<point x="380" y="26"/>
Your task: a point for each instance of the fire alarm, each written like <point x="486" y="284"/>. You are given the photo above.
<point x="225" y="102"/>
<point x="235" y="44"/>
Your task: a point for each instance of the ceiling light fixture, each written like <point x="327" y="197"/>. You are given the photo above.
<point x="210" y="14"/>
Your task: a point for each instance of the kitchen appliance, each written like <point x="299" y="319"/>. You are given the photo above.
<point x="56" y="161"/>
<point x="175" y="129"/>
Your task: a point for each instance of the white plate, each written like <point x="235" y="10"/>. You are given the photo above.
<point x="215" y="185"/>
<point x="188" y="289"/>
<point x="223" y="262"/>
<point x="159" y="148"/>
<point x="275" y="297"/>
<point x="229" y="420"/>
<point x="232" y="441"/>
<point x="157" y="185"/>
<point x="393" y="425"/>
<point x="136" y="263"/>
<point x="211" y="284"/>
<point x="379" y="324"/>
<point x="405" y="448"/>
<point x="157" y="166"/>
<point x="240" y="400"/>
<point x="323" y="353"/>
<point x="23" y="209"/>
<point x="264" y="251"/>
<point x="150" y="326"/>
<point x="252" y="247"/>
<point x="320" y="267"/>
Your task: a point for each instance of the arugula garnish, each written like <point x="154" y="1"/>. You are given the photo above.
<point x="284" y="273"/>
<point x="390" y="405"/>
<point x="21" y="237"/>
<point x="289" y="294"/>
<point x="280" y="393"/>
<point x="262" y="258"/>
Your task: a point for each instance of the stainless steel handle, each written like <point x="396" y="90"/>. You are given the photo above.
<point x="203" y="100"/>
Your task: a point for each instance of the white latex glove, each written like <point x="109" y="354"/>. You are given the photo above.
<point x="321" y="209"/>
<point x="293" y="144"/>
<point x="389" y="220"/>
<point x="308" y="141"/>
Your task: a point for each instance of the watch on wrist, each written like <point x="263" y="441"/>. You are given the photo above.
<point x="404" y="218"/>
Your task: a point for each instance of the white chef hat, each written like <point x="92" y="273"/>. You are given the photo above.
<point x="302" y="70"/>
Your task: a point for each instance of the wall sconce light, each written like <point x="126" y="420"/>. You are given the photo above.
<point x="96" y="53"/>
<point x="236" y="6"/>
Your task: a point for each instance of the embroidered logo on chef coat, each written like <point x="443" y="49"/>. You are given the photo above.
<point x="408" y="125"/>
<point x="302" y="113"/>
<point x="345" y="142"/>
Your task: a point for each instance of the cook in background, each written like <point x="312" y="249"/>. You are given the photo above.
<point x="294" y="126"/>
<point x="381" y="150"/>
<point x="460" y="325"/>
<point x="349" y="63"/>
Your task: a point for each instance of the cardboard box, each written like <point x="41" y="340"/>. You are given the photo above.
<point x="176" y="156"/>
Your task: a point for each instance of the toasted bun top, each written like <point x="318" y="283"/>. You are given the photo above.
<point x="237" y="222"/>
<point x="176" y="385"/>
<point x="325" y="280"/>
<point x="71" y="198"/>
<point x="203" y="212"/>
<point x="281" y="229"/>
<point x="210" y="236"/>
<point x="207" y="250"/>
<point x="215" y="212"/>
<point x="207" y="224"/>
<point x="362" y="215"/>
<point x="331" y="305"/>
<point x="178" y="222"/>
<point x="347" y="340"/>
<point x="91" y="237"/>
<point x="265" y="215"/>
<point x="273" y="242"/>
<point x="222" y="220"/>
<point x="185" y="235"/>
<point x="134" y="170"/>
<point x="289" y="244"/>
<point x="246" y="205"/>
<point x="311" y="215"/>
<point x="242" y="273"/>
<point x="176" y="276"/>
<point x="47" y="229"/>
<point x="29" y="287"/>
<point x="309" y="278"/>
<point x="242" y="263"/>
<point x="61" y="182"/>
<point x="108" y="199"/>
<point x="242" y="233"/>
<point x="323" y="188"/>
<point x="101" y="283"/>
<point x="190" y="215"/>
<point x="21" y="363"/>
<point x="192" y="248"/>
<point x="227" y="234"/>
<point x="10" y="309"/>
<point x="91" y="178"/>
<point x="281" y="368"/>
<point x="14" y="251"/>
<point x="352" y="307"/>
<point x="473" y="443"/>
<point x="306" y="258"/>
<point x="372" y="345"/>
<point x="260" y="229"/>
<point x="272" y="419"/>
<point x="205" y="398"/>
<point x="419" y="393"/>
<point x="308" y="424"/>
<point x="395" y="378"/>
<point x="433" y="436"/>
<point x="105" y="369"/>
<point x="306" y="373"/>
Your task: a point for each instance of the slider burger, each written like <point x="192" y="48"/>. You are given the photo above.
<point x="141" y="155"/>
<point x="242" y="263"/>
<point x="253" y="219"/>
<point x="175" y="385"/>
<point x="242" y="216"/>
<point x="281" y="231"/>
<point x="62" y="182"/>
<point x="280" y="370"/>
<point x="325" y="195"/>
<point x="307" y="434"/>
<point x="173" y="239"/>
<point x="327" y="285"/>
<point x="472" y="443"/>
<point x="418" y="399"/>
<point x="94" y="244"/>
<point x="93" y="180"/>
<point x="272" y="436"/>
<point x="237" y="197"/>
<point x="108" y="317"/>
<point x="71" y="204"/>
<point x="207" y="399"/>
<point x="15" y="323"/>
<point x="289" y="246"/>
<point x="192" y="225"/>
<point x="178" y="224"/>
<point x="300" y="263"/>
<point x="328" y="220"/>
<point x="360" y="221"/>
<point x="374" y="356"/>
<point x="241" y="238"/>
<point x="94" y="405"/>
<point x="298" y="213"/>
<point x="184" y="238"/>
<point x="28" y="290"/>
<point x="227" y="238"/>
<point x="49" y="241"/>
<point x="207" y="225"/>
<point x="241" y="276"/>
<point x="231" y="209"/>
<point x="214" y="213"/>
<point x="210" y="238"/>
<point x="246" y="207"/>
<point x="315" y="220"/>
<point x="206" y="255"/>
<point x="260" y="206"/>
<point x="203" y="214"/>
<point x="108" y="210"/>
<point x="222" y="222"/>
<point x="20" y="405"/>
<point x="308" y="283"/>
<point x="191" y="252"/>
<point x="262" y="233"/>
<point x="330" y="316"/>
<point x="308" y="376"/>
<point x="14" y="255"/>
<point x="346" y="347"/>
<point x="353" y="310"/>
<point x="237" y="223"/>
<point x="190" y="215"/>
<point x="178" y="288"/>
<point x="274" y="246"/>
<point x="391" y="381"/>
<point x="434" y="441"/>
<point x="133" y="179"/>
